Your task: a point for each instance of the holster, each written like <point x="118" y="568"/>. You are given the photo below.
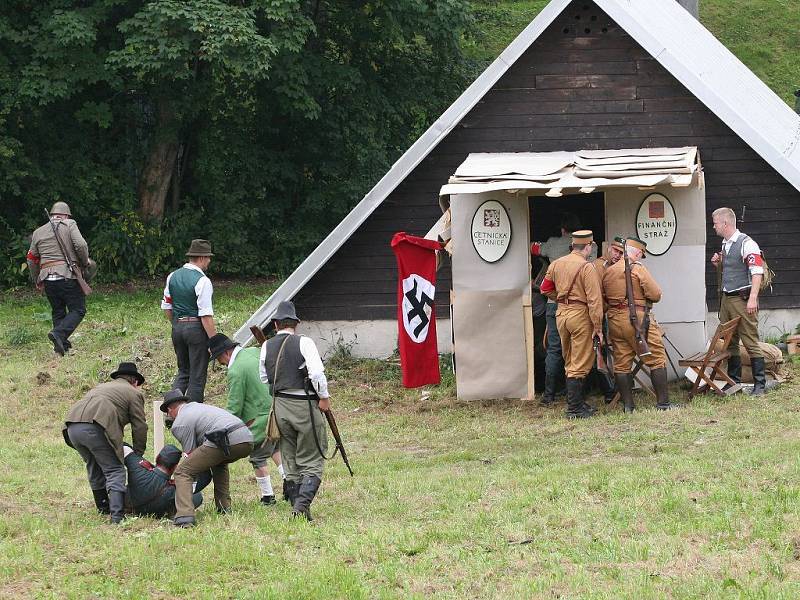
<point x="220" y="440"/>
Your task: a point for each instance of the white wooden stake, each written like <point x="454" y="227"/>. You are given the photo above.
<point x="158" y="429"/>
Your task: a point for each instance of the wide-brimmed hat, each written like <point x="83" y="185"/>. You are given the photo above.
<point x="199" y="248"/>
<point x="285" y="311"/>
<point x="638" y="244"/>
<point x="171" y="397"/>
<point x="169" y="456"/>
<point x="60" y="208"/>
<point x="219" y="343"/>
<point x="128" y="368"/>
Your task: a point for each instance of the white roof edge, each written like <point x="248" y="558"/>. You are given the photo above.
<point x="401" y="168"/>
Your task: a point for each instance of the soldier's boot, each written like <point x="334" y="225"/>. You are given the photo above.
<point x="305" y="496"/>
<point x="659" y="379"/>
<point x="101" y="501"/>
<point x="625" y="389"/>
<point x="576" y="408"/>
<point x="289" y="490"/>
<point x="734" y="370"/>
<point x="759" y="376"/>
<point x="58" y="343"/>
<point x="116" y="506"/>
<point x="549" y="395"/>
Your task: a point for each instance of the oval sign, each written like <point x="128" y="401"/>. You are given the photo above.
<point x="656" y="223"/>
<point x="491" y="231"/>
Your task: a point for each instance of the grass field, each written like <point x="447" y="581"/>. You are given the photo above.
<point x="479" y="500"/>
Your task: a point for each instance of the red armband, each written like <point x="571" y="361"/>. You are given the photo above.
<point x="536" y="249"/>
<point x="33" y="258"/>
<point x="547" y="286"/>
<point x="146" y="464"/>
<point x="754" y="260"/>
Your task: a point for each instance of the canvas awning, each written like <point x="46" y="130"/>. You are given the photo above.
<point x="583" y="171"/>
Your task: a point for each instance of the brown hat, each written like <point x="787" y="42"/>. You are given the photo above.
<point x="582" y="236"/>
<point x="200" y="248"/>
<point x="638" y="244"/>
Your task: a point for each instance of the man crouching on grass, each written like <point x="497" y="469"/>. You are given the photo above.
<point x="211" y="437"/>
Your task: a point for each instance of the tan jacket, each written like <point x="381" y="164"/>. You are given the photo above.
<point x="645" y="288"/>
<point x="586" y="289"/>
<point x="45" y="256"/>
<point x="112" y="405"/>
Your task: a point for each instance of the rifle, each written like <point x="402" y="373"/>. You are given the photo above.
<point x="70" y="265"/>
<point x="258" y="334"/>
<point x="642" y="349"/>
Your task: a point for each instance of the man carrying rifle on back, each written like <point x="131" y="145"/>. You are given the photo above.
<point x="630" y="291"/>
<point x="57" y="260"/>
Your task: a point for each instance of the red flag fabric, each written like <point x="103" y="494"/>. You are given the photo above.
<point x="416" y="317"/>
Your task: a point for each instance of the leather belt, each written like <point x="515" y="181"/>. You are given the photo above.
<point x="624" y="306"/>
<point x="187" y="319"/>
<point x="737" y="292"/>
<point x="568" y="302"/>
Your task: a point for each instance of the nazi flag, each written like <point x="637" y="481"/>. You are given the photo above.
<point x="416" y="317"/>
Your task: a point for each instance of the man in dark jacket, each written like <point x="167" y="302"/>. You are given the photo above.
<point x="151" y="490"/>
<point x="94" y="427"/>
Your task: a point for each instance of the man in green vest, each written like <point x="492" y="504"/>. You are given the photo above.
<point x="187" y="305"/>
<point x="249" y="399"/>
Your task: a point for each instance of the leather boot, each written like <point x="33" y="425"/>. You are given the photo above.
<point x="735" y="368"/>
<point x="659" y="379"/>
<point x="576" y="408"/>
<point x="759" y="376"/>
<point x="305" y="495"/>
<point x="625" y="389"/>
<point x="116" y="506"/>
<point x="289" y="490"/>
<point x="549" y="395"/>
<point x="101" y="501"/>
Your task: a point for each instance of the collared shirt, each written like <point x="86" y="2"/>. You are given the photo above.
<point x="316" y="370"/>
<point x="234" y="354"/>
<point x="203" y="288"/>
<point x="748" y="247"/>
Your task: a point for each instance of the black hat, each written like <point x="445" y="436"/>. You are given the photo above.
<point x="128" y="368"/>
<point x="169" y="456"/>
<point x="219" y="343"/>
<point x="171" y="397"/>
<point x="199" y="248"/>
<point x="285" y="311"/>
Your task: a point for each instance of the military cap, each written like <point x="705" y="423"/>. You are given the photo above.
<point x="128" y="368"/>
<point x="199" y="248"/>
<point x="169" y="456"/>
<point x="60" y="208"/>
<point x="285" y="311"/>
<point x="618" y="242"/>
<point x="638" y="244"/>
<point x="171" y="397"/>
<point x="582" y="236"/>
<point x="219" y="343"/>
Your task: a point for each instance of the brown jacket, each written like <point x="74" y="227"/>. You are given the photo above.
<point x="112" y="405"/>
<point x="45" y="256"/>
<point x="585" y="290"/>
<point x="645" y="288"/>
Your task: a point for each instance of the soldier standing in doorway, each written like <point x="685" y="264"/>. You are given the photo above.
<point x="742" y="270"/>
<point x="51" y="272"/>
<point x="573" y="283"/>
<point x="187" y="304"/>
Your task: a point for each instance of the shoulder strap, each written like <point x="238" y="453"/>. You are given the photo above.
<point x="574" y="279"/>
<point x="278" y="360"/>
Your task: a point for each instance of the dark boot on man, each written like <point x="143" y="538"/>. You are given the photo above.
<point x="659" y="379"/>
<point x="576" y="408"/>
<point x="305" y="496"/>
<point x="289" y="490"/>
<point x="268" y="500"/>
<point x="58" y="343"/>
<point x="549" y="395"/>
<point x="101" y="501"/>
<point x="734" y="371"/>
<point x="625" y="389"/>
<point x="759" y="376"/>
<point x="116" y="506"/>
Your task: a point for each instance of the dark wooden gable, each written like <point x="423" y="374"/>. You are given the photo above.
<point x="584" y="84"/>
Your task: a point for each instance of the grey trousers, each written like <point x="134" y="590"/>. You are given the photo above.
<point x="190" y="342"/>
<point x="299" y="453"/>
<point x="104" y="469"/>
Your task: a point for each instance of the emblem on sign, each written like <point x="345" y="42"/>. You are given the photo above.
<point x="418" y="294"/>
<point x="656" y="223"/>
<point x="491" y="231"/>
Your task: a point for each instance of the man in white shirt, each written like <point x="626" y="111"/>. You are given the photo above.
<point x="292" y="367"/>
<point x="742" y="270"/>
<point x="187" y="303"/>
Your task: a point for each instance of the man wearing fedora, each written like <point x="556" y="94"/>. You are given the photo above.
<point x="249" y="399"/>
<point x="292" y="367"/>
<point x="212" y="438"/>
<point x="94" y="427"/>
<point x="187" y="304"/>
<point x="151" y="490"/>
<point x="50" y="272"/>
<point x="646" y="291"/>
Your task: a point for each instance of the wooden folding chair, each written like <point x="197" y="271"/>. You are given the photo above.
<point x="713" y="359"/>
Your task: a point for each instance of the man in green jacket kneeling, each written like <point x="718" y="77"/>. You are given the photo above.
<point x="249" y="399"/>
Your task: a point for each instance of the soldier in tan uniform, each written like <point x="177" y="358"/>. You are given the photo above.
<point x="50" y="272"/>
<point x="623" y="336"/>
<point x="615" y="250"/>
<point x="573" y="283"/>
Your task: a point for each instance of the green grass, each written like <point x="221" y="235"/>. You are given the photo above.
<point x="763" y="34"/>
<point x="461" y="500"/>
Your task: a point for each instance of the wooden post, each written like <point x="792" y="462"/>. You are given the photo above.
<point x="158" y="429"/>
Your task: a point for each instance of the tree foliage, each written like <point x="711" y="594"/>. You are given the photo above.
<point x="255" y="123"/>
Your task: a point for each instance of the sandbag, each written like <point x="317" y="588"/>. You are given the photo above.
<point x="773" y="361"/>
